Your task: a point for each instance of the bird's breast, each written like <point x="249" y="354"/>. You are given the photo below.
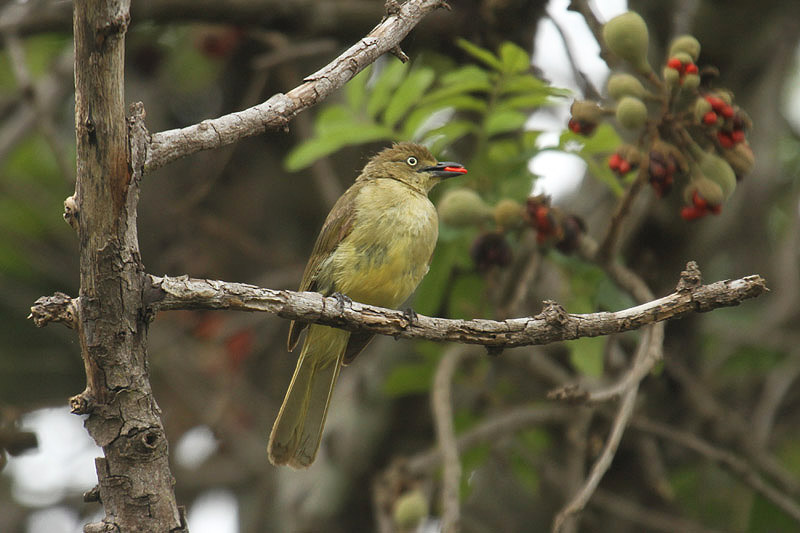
<point x="386" y="254"/>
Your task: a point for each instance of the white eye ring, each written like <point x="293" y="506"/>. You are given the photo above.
<point x="412" y="161"/>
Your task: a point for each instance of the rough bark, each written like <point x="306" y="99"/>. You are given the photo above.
<point x="135" y="484"/>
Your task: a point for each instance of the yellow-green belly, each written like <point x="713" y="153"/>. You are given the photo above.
<point x="386" y="254"/>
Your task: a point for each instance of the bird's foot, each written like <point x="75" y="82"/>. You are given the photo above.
<point x="342" y="299"/>
<point x="411" y="316"/>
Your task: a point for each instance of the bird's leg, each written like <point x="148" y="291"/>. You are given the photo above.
<point x="342" y="299"/>
<point x="411" y="316"/>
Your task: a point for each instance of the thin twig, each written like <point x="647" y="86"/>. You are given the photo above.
<point x="588" y="89"/>
<point x="645" y="516"/>
<point x="729" y="460"/>
<point x="602" y="464"/>
<point x="280" y="109"/>
<point x="442" y="407"/>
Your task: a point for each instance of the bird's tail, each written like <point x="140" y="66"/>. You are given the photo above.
<point x="297" y="432"/>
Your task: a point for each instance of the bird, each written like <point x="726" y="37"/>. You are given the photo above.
<point x="374" y="247"/>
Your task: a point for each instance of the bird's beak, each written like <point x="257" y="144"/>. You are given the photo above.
<point x="445" y="169"/>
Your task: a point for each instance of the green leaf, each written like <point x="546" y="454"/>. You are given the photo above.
<point x="335" y="139"/>
<point x="387" y="79"/>
<point x="514" y="59"/>
<point x="524" y="101"/>
<point x="466" y="79"/>
<point x="481" y="54"/>
<point x="448" y="134"/>
<point x="463" y="102"/>
<point x="420" y="115"/>
<point x="356" y="90"/>
<point x="604" y="140"/>
<point x="504" y="121"/>
<point x="332" y="118"/>
<point x="586" y="355"/>
<point x="407" y="94"/>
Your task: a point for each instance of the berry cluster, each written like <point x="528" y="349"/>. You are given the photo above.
<point x="690" y="131"/>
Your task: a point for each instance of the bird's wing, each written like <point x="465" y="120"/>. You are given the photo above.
<point x="336" y="227"/>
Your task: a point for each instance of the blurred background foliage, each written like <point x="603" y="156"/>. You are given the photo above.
<point x="250" y="213"/>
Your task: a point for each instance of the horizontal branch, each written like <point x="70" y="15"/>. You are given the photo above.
<point x="551" y="325"/>
<point x="275" y="113"/>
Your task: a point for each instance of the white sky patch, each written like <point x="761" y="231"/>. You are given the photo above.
<point x="560" y="173"/>
<point x="214" y="511"/>
<point x="62" y="464"/>
<point x="792" y="96"/>
<point x="195" y="446"/>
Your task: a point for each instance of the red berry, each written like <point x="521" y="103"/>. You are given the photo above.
<point x="624" y="167"/>
<point x="727" y="112"/>
<point x="614" y="161"/>
<point x="691" y="68"/>
<point x="725" y="139"/>
<point x="574" y="126"/>
<point x="710" y="118"/>
<point x="692" y="213"/>
<point x="737" y="136"/>
<point x="717" y="104"/>
<point x="698" y="201"/>
<point x="674" y="63"/>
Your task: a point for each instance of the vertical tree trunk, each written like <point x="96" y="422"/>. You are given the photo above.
<point x="135" y="484"/>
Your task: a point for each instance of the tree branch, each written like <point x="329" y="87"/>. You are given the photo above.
<point x="276" y="112"/>
<point x="552" y="325"/>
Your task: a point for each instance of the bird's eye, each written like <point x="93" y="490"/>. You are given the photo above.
<point x="412" y="161"/>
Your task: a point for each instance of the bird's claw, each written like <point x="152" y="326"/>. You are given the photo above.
<point x="342" y="299"/>
<point x="411" y="316"/>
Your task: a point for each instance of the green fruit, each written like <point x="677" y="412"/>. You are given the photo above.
<point x="690" y="82"/>
<point x="710" y="191"/>
<point x="719" y="171"/>
<point x="508" y="214"/>
<point x="409" y="510"/>
<point x="686" y="44"/>
<point x="626" y="35"/>
<point x="701" y="107"/>
<point x="683" y="57"/>
<point x="586" y="111"/>
<point x="671" y="77"/>
<point x="631" y="113"/>
<point x="620" y="85"/>
<point x="740" y="158"/>
<point x="463" y="207"/>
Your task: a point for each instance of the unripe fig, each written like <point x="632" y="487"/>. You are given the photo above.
<point x="683" y="57"/>
<point x="708" y="190"/>
<point x="620" y="85"/>
<point x="626" y="35"/>
<point x="690" y="82"/>
<point x="740" y="158"/>
<point x="631" y="113"/>
<point x="686" y="44"/>
<point x="508" y="214"/>
<point x="463" y="207"/>
<point x="701" y="108"/>
<point x="717" y="170"/>
<point x="671" y="77"/>
<point x="409" y="510"/>
<point x="585" y="116"/>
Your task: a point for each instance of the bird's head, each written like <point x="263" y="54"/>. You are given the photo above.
<point x="412" y="164"/>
